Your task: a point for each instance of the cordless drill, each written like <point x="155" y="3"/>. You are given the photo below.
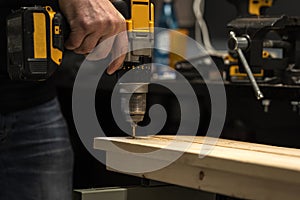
<point x="139" y="15"/>
<point x="35" y="38"/>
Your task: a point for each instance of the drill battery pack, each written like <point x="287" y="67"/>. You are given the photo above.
<point x="34" y="43"/>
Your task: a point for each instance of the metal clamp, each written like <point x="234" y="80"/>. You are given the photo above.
<point x="242" y="43"/>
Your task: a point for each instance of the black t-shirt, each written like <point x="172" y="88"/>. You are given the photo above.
<point x="18" y="95"/>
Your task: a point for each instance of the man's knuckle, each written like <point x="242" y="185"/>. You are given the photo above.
<point x="86" y="24"/>
<point x="118" y="25"/>
<point x="122" y="25"/>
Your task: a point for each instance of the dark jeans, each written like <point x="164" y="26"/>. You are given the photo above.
<point x="36" y="158"/>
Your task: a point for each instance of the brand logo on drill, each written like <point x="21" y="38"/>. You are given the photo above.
<point x="88" y="126"/>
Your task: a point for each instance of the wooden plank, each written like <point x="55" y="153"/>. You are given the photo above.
<point x="237" y="145"/>
<point x="285" y="159"/>
<point x="238" y="169"/>
<point x="218" y="181"/>
<point x="229" y="159"/>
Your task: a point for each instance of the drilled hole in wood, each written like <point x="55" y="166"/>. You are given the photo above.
<point x="201" y="175"/>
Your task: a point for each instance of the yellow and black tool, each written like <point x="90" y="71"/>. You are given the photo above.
<point x="35" y="41"/>
<point x="35" y="38"/>
<point x="247" y="8"/>
<point x="139" y="15"/>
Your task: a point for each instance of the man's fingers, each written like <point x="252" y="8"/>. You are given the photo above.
<point x="103" y="49"/>
<point x="75" y="39"/>
<point x="116" y="64"/>
<point x="92" y="22"/>
<point x="119" y="52"/>
<point x="88" y="44"/>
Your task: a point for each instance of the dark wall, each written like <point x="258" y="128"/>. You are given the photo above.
<point x="219" y="12"/>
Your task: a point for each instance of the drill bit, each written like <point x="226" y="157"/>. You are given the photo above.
<point x="133" y="125"/>
<point x="133" y="103"/>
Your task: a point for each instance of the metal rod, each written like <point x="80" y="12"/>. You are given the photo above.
<point x="257" y="91"/>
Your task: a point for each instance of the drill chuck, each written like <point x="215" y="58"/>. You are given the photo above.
<point x="133" y="101"/>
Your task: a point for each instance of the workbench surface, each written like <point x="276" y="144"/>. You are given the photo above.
<point x="232" y="168"/>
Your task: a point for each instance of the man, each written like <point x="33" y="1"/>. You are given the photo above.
<point x="35" y="153"/>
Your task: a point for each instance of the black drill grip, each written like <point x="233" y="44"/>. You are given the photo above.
<point x="123" y="6"/>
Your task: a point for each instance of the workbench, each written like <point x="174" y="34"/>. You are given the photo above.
<point x="237" y="169"/>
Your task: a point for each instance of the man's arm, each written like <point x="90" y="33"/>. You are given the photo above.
<point x="91" y="22"/>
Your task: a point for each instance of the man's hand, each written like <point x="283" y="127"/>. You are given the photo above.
<point x="91" y="22"/>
